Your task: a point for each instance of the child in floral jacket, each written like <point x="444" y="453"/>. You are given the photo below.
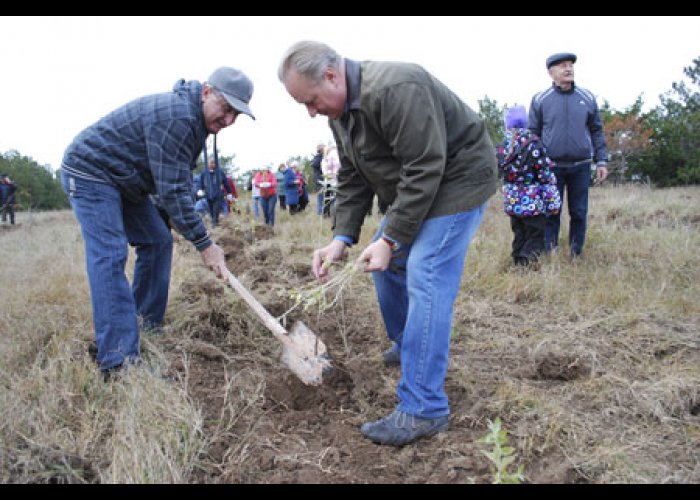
<point x="529" y="186"/>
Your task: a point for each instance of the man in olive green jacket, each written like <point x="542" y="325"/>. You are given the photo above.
<point x="405" y="136"/>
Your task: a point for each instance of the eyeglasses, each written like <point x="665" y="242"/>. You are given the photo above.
<point x="224" y="103"/>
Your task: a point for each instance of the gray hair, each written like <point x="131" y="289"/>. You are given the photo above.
<point x="309" y="59"/>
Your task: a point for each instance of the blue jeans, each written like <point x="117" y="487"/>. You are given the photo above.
<point x="256" y="210"/>
<point x="109" y="223"/>
<point x="268" y="206"/>
<point x="416" y="296"/>
<point x="575" y="181"/>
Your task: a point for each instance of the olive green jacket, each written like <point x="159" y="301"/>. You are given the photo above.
<point x="408" y="138"/>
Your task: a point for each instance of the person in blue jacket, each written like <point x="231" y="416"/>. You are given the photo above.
<point x="212" y="180"/>
<point x="146" y="148"/>
<point x="7" y="198"/>
<point x="567" y="119"/>
<point x="291" y="187"/>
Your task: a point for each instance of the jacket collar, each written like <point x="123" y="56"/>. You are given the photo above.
<point x="559" y="89"/>
<point x="353" y="81"/>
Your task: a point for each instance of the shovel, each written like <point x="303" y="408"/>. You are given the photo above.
<point x="302" y="351"/>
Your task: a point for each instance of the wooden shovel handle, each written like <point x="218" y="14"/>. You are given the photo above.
<point x="262" y="313"/>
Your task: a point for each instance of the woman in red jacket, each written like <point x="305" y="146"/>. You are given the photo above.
<point x="267" y="182"/>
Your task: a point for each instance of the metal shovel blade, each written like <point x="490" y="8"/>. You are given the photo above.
<point x="302" y="351"/>
<point x="306" y="355"/>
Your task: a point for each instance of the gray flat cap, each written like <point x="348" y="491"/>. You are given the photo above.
<point x="561" y="56"/>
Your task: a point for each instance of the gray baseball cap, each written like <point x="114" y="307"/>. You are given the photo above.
<point x="235" y="86"/>
<point x="562" y="56"/>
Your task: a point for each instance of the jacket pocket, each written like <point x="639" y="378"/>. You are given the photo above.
<point x="131" y="186"/>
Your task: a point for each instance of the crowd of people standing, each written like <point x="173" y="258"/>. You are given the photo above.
<point x="288" y="186"/>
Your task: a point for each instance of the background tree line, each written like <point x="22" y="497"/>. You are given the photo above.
<point x="38" y="188"/>
<point x="662" y="145"/>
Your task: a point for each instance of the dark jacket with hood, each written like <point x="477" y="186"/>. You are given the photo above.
<point x="7" y="192"/>
<point x="213" y="183"/>
<point x="149" y="146"/>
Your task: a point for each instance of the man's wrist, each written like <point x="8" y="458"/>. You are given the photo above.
<point x="393" y="244"/>
<point x="345" y="239"/>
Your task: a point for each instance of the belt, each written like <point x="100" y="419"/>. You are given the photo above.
<point x="572" y="163"/>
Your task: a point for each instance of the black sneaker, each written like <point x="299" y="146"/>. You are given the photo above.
<point x="392" y="357"/>
<point x="92" y="351"/>
<point x="400" y="428"/>
<point x="113" y="373"/>
<point x="118" y="371"/>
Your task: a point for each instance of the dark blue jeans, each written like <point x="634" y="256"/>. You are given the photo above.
<point x="8" y="209"/>
<point x="575" y="181"/>
<point x="109" y="224"/>
<point x="216" y="205"/>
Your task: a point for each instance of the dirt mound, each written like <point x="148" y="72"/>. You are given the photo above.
<point x="284" y="431"/>
<point x="265" y="426"/>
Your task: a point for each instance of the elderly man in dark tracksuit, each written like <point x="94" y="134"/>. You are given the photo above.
<point x="405" y="136"/>
<point x="148" y="146"/>
<point x="567" y="119"/>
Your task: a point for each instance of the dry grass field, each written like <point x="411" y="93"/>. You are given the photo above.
<point x="593" y="366"/>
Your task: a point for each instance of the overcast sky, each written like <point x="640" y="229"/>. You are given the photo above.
<point x="60" y="74"/>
